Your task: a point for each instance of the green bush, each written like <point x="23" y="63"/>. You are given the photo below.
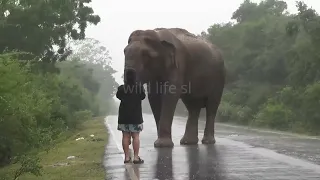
<point x="228" y="112"/>
<point x="36" y="108"/>
<point x="24" y="106"/>
<point x="275" y="116"/>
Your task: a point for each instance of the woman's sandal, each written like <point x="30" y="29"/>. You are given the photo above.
<point x="139" y="161"/>
<point x="127" y="161"/>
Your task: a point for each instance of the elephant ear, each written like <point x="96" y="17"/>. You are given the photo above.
<point x="168" y="42"/>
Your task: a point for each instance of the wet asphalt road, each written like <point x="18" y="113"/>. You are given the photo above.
<point x="239" y="154"/>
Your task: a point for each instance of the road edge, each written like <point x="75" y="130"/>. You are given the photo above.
<point x="128" y="167"/>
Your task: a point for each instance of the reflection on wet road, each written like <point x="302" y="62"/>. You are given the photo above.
<point x="238" y="155"/>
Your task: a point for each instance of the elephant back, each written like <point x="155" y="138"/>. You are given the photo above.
<point x="188" y="38"/>
<point x="199" y="44"/>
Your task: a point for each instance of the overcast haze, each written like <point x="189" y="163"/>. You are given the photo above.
<point x="120" y="17"/>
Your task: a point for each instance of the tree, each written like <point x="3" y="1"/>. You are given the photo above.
<point x="272" y="61"/>
<point x="37" y="108"/>
<point x="96" y="58"/>
<point x="249" y="11"/>
<point x="38" y="26"/>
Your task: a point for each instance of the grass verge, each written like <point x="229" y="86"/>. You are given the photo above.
<point x="88" y="152"/>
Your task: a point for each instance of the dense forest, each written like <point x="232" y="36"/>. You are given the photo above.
<point x="273" y="66"/>
<point x="52" y="76"/>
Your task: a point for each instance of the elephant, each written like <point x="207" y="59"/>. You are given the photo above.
<point x="176" y="64"/>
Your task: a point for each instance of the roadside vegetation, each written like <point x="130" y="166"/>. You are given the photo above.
<point x="273" y="66"/>
<point x="76" y="155"/>
<point x="50" y="89"/>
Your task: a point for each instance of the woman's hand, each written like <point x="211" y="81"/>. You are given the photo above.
<point x="142" y="93"/>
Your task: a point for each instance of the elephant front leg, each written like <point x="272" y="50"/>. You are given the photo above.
<point x="169" y="102"/>
<point x="191" y="132"/>
<point x="208" y="137"/>
<point x="155" y="104"/>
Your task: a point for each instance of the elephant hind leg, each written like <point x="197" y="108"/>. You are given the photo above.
<point x="191" y="131"/>
<point x="212" y="106"/>
<point x="155" y="103"/>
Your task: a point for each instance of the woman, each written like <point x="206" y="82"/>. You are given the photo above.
<point x="130" y="120"/>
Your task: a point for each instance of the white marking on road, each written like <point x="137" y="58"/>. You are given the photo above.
<point x="271" y="154"/>
<point x="270" y="131"/>
<point x="201" y="120"/>
<point x="129" y="167"/>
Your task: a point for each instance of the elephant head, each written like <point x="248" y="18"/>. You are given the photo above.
<point x="150" y="53"/>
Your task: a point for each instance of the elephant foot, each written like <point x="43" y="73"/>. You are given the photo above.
<point x="208" y="140"/>
<point x="189" y="141"/>
<point x="163" y="142"/>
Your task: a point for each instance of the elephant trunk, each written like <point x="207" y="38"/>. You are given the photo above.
<point x="131" y="77"/>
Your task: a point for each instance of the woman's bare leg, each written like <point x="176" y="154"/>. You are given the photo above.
<point x="136" y="145"/>
<point x="126" y="136"/>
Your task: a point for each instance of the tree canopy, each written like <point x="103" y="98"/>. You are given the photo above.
<point x="273" y="66"/>
<point x="38" y="27"/>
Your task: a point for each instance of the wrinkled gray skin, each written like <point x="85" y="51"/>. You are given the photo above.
<point x="185" y="67"/>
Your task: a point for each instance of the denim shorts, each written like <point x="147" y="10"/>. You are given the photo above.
<point x="130" y="127"/>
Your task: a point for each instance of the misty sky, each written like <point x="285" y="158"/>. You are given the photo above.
<point x="120" y="17"/>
